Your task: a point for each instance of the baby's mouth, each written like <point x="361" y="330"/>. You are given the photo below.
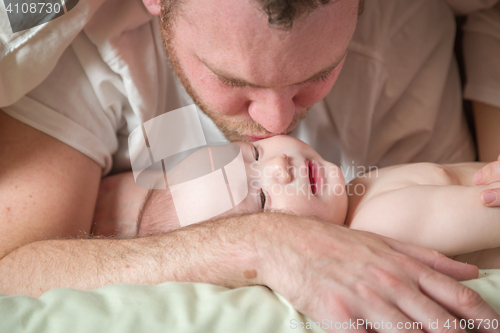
<point x="313" y="179"/>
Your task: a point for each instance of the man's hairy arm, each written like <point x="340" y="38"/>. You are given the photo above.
<point x="47" y="189"/>
<point x="48" y="192"/>
<point x="91" y="263"/>
<point x="326" y="271"/>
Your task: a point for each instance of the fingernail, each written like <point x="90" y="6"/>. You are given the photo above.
<point x="489" y="197"/>
<point x="478" y="176"/>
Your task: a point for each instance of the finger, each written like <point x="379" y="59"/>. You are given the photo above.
<point x="488" y="174"/>
<point x="428" y="315"/>
<point x="380" y="316"/>
<point x="342" y="322"/>
<point x="421" y="309"/>
<point x="491" y="198"/>
<point x="458" y="299"/>
<point x="424" y="310"/>
<point x="435" y="260"/>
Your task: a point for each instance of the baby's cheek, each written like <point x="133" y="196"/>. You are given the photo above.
<point x="245" y="207"/>
<point x="296" y="201"/>
<point x="311" y="206"/>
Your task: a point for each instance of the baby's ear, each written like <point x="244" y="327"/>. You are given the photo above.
<point x="153" y="6"/>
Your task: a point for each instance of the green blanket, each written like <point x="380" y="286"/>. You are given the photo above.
<point x="172" y="307"/>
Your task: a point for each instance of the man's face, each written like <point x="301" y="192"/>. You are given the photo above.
<point x="254" y="80"/>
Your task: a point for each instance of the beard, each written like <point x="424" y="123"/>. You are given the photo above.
<point x="234" y="129"/>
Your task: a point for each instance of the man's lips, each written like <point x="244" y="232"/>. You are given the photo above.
<point x="261" y="137"/>
<point x="257" y="138"/>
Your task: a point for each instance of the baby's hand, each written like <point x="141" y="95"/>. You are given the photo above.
<point x="489" y="174"/>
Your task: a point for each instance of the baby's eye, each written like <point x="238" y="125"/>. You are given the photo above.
<point x="256" y="153"/>
<point x="262" y="199"/>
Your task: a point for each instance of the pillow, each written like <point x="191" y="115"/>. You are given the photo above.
<point x="173" y="307"/>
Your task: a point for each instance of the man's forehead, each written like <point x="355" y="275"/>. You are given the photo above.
<point x="236" y="35"/>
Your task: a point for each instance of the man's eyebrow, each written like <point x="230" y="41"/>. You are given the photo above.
<point x="240" y="82"/>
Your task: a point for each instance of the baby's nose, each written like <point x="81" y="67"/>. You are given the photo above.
<point x="282" y="169"/>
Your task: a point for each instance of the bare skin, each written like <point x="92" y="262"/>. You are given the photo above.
<point x="346" y="282"/>
<point x="424" y="204"/>
<point x="118" y="204"/>
<point x="353" y="274"/>
<point x="429" y="205"/>
<point x="42" y="197"/>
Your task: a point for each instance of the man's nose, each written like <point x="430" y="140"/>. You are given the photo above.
<point x="273" y="109"/>
<point x="281" y="170"/>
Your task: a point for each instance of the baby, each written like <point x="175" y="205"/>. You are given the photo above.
<point x="425" y="204"/>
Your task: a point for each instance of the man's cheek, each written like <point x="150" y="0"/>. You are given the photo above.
<point x="313" y="93"/>
<point x="225" y="100"/>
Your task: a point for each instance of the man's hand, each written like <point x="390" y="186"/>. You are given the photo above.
<point x="489" y="174"/>
<point x="341" y="275"/>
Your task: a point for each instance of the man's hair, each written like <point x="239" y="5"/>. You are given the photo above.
<point x="280" y="13"/>
<point x="283" y="13"/>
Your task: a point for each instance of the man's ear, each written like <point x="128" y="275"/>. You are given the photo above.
<point x="153" y="6"/>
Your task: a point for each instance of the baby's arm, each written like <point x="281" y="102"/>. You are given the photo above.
<point x="449" y="219"/>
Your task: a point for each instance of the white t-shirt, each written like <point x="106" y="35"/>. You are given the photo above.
<point x="397" y="99"/>
<point x="482" y="56"/>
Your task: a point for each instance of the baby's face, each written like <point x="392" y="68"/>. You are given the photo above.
<point x="285" y="174"/>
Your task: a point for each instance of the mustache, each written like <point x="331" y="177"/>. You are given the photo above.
<point x="253" y="128"/>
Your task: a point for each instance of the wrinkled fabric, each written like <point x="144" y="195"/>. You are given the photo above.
<point x="28" y="57"/>
<point x="482" y="56"/>
<point x="176" y="307"/>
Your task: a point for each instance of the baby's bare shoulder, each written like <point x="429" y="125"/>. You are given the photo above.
<point x="378" y="190"/>
<point x="396" y="177"/>
<point x="421" y="174"/>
